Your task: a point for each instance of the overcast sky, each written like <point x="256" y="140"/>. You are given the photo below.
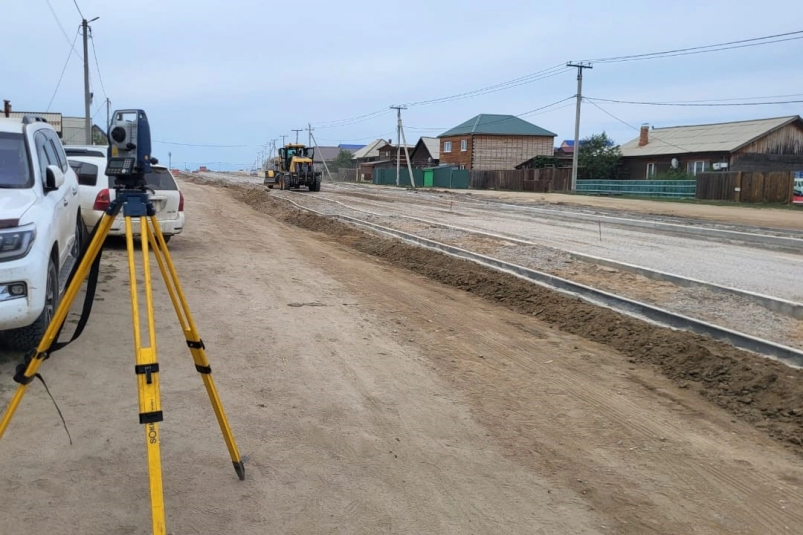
<point x="242" y="72"/>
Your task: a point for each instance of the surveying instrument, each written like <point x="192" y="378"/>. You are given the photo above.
<point x="129" y="161"/>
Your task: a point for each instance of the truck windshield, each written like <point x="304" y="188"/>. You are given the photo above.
<point x="14" y="170"/>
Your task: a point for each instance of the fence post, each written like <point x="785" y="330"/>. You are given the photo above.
<point x="738" y="195"/>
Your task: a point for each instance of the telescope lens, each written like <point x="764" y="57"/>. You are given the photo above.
<point x="118" y="134"/>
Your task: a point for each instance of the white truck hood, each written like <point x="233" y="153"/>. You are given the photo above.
<point x="15" y="202"/>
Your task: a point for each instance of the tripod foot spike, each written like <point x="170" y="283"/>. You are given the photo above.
<point x="239" y="467"/>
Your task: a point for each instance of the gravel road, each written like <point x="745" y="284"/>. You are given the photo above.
<point x="768" y="272"/>
<point x="372" y="400"/>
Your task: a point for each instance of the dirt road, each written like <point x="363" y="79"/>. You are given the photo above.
<point x="759" y="216"/>
<point x="372" y="400"/>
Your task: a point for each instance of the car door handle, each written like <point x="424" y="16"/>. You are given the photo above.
<point x="66" y="202"/>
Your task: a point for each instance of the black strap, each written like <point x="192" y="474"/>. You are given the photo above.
<point x="89" y="299"/>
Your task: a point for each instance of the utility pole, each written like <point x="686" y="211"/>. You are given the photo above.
<point x="283" y="136"/>
<point x="576" y="154"/>
<point x="309" y="135"/>
<point x="297" y="131"/>
<point x="170" y="160"/>
<point x="87" y="97"/>
<point x="401" y="137"/>
<point x="322" y="160"/>
<point x="87" y="94"/>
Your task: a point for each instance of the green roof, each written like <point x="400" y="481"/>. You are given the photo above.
<point x="500" y="125"/>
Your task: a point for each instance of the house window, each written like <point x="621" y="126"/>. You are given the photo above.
<point x="447" y="146"/>
<point x="650" y="170"/>
<point x="463" y="145"/>
<point x="696" y="167"/>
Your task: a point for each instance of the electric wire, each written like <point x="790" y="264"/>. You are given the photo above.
<point x="695" y="104"/>
<point x="652" y="136"/>
<point x="97" y="64"/>
<point x="61" y="27"/>
<point x="742" y="43"/>
<point x="63" y="70"/>
<point x="78" y="8"/>
<point x="205" y="146"/>
<point x="526" y="79"/>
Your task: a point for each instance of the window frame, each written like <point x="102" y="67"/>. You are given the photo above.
<point x="447" y="146"/>
<point x="463" y="145"/>
<point x="691" y="167"/>
<point x="650" y="166"/>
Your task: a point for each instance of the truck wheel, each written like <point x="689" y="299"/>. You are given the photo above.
<point x="27" y="338"/>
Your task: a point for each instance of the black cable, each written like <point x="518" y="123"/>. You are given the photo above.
<point x="207" y="146"/>
<point x="694" y="104"/>
<point x="362" y="119"/>
<point x="373" y="113"/>
<point x="69" y="56"/>
<point x="652" y="136"/>
<point x="97" y="65"/>
<point x="78" y="8"/>
<point x="523" y="80"/>
<point x="742" y="43"/>
<point x="61" y="27"/>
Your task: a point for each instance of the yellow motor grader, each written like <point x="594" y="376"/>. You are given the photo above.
<point x="294" y="168"/>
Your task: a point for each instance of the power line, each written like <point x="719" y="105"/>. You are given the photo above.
<point x="695" y="104"/>
<point x="207" y="146"/>
<point x="381" y="136"/>
<point x="742" y="43"/>
<point x="78" y="8"/>
<point x="98" y="110"/>
<point x="61" y="27"/>
<point x="507" y="117"/>
<point x="376" y="113"/>
<point x="527" y="79"/>
<point x="522" y="80"/>
<point x="63" y="70"/>
<point x="652" y="136"/>
<point x="97" y="65"/>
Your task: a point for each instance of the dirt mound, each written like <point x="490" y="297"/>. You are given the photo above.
<point x="763" y="392"/>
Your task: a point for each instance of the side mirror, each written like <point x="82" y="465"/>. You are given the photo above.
<point x="54" y="177"/>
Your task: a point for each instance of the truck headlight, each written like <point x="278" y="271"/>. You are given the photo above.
<point x="13" y="290"/>
<point x="17" y="242"/>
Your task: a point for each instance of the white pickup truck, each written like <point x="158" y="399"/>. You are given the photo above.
<point x="41" y="229"/>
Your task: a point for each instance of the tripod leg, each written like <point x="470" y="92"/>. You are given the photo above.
<point x="147" y="370"/>
<point x="58" y="318"/>
<point x="193" y="339"/>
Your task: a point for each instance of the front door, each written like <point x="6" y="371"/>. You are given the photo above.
<point x="429" y="178"/>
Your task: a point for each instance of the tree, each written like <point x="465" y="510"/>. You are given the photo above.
<point x="343" y="160"/>
<point x="599" y="157"/>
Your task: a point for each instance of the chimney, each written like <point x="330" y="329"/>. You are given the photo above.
<point x="644" y="136"/>
<point x="6" y="108"/>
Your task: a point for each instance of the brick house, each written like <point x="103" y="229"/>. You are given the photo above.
<point x="758" y="145"/>
<point x="494" y="142"/>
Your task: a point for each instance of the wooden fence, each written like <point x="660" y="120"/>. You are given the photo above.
<point x="746" y="186"/>
<point x="537" y="180"/>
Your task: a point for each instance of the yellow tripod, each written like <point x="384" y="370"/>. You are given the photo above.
<point x="135" y="204"/>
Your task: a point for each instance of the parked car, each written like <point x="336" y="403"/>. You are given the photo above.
<point x="89" y="163"/>
<point x="41" y="228"/>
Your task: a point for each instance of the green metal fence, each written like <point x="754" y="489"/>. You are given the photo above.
<point x="677" y="189"/>
<point x="441" y="177"/>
